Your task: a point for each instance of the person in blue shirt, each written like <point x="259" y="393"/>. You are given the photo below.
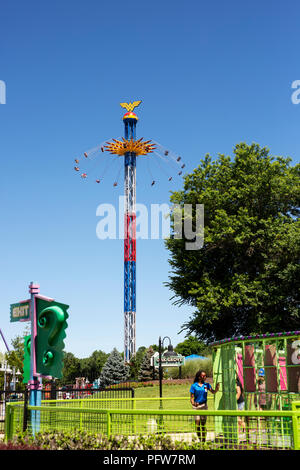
<point x="198" y="393"/>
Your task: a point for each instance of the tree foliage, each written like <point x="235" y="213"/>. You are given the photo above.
<point x="15" y="356"/>
<point x="191" y="345"/>
<point x="114" y="370"/>
<point x="135" y="363"/>
<point x="246" y="277"/>
<point x="91" y="367"/>
<point x="146" y="371"/>
<point x="71" y="369"/>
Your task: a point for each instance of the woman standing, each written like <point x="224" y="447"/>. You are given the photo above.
<point x="240" y="403"/>
<point x="198" y="393"/>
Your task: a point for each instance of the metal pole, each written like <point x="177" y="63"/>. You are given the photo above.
<point x="160" y="367"/>
<point x="5" y="367"/>
<point x="160" y="422"/>
<point x="35" y="382"/>
<point x="25" y="411"/>
<point x="14" y="379"/>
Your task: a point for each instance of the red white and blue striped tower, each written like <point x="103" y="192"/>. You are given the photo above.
<point x="130" y="121"/>
<point x="130" y="148"/>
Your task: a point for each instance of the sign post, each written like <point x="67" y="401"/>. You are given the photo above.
<point x="167" y="359"/>
<point x="35" y="383"/>
<point x="43" y="348"/>
<point x="25" y="311"/>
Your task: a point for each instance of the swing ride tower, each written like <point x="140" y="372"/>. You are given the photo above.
<point x="129" y="148"/>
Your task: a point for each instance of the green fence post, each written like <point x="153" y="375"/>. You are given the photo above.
<point x="296" y="427"/>
<point x="25" y="410"/>
<point x="134" y="416"/>
<point x="80" y="418"/>
<point x="108" y="424"/>
<point x="9" y="416"/>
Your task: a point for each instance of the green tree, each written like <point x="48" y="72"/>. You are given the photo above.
<point x="155" y="347"/>
<point x="246" y="277"/>
<point x="191" y="345"/>
<point x="91" y="367"/>
<point x="15" y="358"/>
<point x="16" y="355"/>
<point x="71" y="369"/>
<point x="135" y="363"/>
<point x="114" y="370"/>
<point x="146" y="370"/>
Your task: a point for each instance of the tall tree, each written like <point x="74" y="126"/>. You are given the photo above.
<point x="91" y="367"/>
<point x="135" y="363"/>
<point x="246" y="277"/>
<point x="71" y="369"/>
<point x="191" y="345"/>
<point x="114" y="370"/>
<point x="146" y="370"/>
<point x="15" y="357"/>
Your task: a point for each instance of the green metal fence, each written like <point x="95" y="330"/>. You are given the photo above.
<point x="261" y="430"/>
<point x="274" y="356"/>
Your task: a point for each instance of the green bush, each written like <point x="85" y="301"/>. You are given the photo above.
<point x="190" y="368"/>
<point x="12" y="446"/>
<point x="81" y="440"/>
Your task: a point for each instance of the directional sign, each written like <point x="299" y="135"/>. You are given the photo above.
<point x="169" y="361"/>
<point x="20" y="311"/>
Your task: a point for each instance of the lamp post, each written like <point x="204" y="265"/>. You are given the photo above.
<point x="170" y="352"/>
<point x="15" y="378"/>
<point x="7" y="370"/>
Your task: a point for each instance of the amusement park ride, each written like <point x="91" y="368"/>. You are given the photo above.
<point x="129" y="148"/>
<point x="4" y="340"/>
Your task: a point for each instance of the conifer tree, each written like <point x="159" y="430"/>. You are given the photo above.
<point x="146" y="370"/>
<point x="114" y="370"/>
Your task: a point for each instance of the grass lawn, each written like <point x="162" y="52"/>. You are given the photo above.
<point x="178" y="390"/>
<point x="169" y="423"/>
<point x="168" y="391"/>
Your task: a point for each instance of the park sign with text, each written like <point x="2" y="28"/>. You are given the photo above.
<point x="169" y="361"/>
<point x="20" y="311"/>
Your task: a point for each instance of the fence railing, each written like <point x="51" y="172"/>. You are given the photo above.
<point x="76" y="393"/>
<point x="115" y="394"/>
<point x="7" y="396"/>
<point x="221" y="429"/>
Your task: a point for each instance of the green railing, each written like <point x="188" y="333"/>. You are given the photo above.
<point x="261" y="430"/>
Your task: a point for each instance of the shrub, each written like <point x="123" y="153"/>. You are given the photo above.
<point x="188" y="371"/>
<point x="81" y="440"/>
<point x="13" y="446"/>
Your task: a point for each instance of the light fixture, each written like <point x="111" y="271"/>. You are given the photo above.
<point x="170" y="352"/>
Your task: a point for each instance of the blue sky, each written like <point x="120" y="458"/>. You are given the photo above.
<point x="210" y="74"/>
